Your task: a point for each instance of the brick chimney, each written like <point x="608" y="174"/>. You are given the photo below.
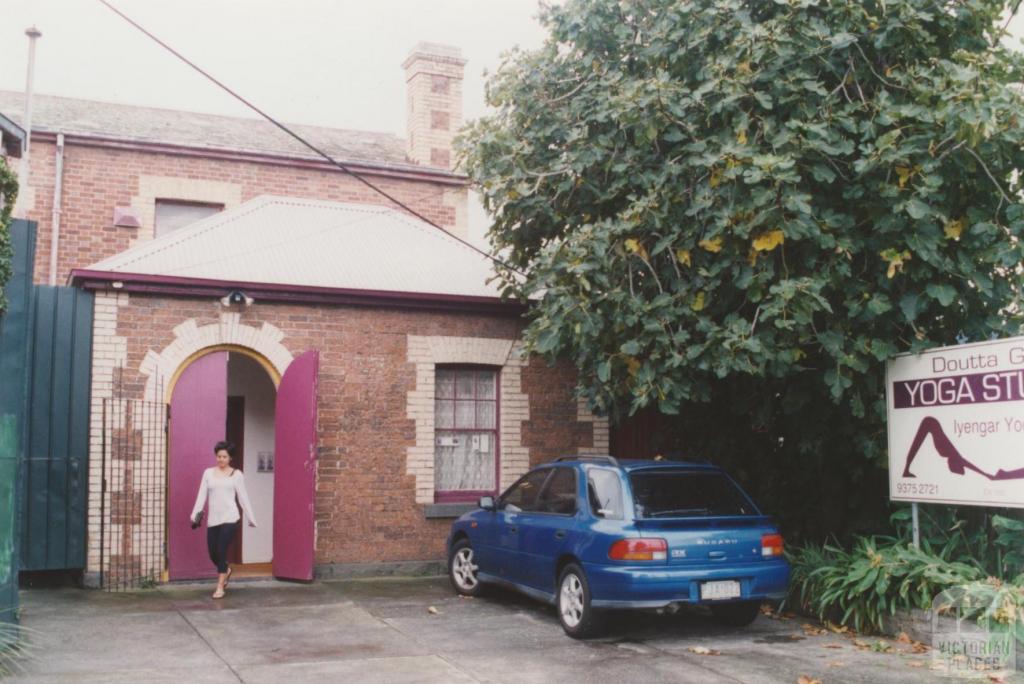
<point x="433" y="77"/>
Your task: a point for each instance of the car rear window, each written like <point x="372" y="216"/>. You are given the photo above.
<point x="676" y="493"/>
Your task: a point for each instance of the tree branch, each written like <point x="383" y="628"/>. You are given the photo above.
<point x="989" y="174"/>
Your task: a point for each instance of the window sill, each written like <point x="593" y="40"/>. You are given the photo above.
<point x="447" y="510"/>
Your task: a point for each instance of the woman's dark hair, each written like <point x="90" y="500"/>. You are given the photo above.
<point x="225" y="446"/>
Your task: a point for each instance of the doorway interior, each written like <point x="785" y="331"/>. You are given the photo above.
<point x="250" y="425"/>
<point x="276" y="425"/>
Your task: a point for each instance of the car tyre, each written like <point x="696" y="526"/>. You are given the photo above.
<point x="572" y="601"/>
<point x="463" y="570"/>
<point x="739" y="614"/>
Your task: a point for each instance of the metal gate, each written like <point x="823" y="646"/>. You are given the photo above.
<point x="14" y="345"/>
<point x="133" y="493"/>
<point x="56" y="439"/>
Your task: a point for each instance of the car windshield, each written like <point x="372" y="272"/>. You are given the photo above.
<point x="681" y="493"/>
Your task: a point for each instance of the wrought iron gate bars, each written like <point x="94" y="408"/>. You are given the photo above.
<point x="132" y="491"/>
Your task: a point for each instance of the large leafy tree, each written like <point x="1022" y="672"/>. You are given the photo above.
<point x="8" y="195"/>
<point x="736" y="210"/>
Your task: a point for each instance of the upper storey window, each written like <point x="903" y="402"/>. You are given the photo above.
<point x="174" y="214"/>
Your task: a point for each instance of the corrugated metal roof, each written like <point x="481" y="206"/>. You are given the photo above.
<point x="292" y="241"/>
<point x="131" y="123"/>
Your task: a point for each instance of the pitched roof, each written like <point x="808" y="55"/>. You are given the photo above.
<point x="312" y="243"/>
<point x="51" y="114"/>
<point x="12" y="137"/>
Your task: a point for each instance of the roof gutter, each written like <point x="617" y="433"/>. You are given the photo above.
<point x="177" y="286"/>
<point x="369" y="168"/>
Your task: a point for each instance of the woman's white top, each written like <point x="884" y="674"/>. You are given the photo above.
<point x="221" y="490"/>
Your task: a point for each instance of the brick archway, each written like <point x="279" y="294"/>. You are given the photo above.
<point x="190" y="339"/>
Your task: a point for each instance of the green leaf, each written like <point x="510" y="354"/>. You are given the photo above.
<point x="917" y="209"/>
<point x="945" y="294"/>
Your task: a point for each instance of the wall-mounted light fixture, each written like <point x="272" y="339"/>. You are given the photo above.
<point x="236" y="297"/>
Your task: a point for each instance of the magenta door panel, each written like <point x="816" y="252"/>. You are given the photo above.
<point x="198" y="418"/>
<point x="295" y="469"/>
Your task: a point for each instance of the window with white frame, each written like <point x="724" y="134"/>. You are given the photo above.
<point x="465" y="432"/>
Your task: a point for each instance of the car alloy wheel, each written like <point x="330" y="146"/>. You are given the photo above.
<point x="571" y="600"/>
<point x="462" y="569"/>
<point x="578" y="619"/>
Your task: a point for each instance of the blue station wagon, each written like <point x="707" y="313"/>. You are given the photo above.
<point x="593" y="533"/>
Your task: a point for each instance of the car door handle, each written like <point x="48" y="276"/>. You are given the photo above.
<point x="561" y="534"/>
<point x="716" y="555"/>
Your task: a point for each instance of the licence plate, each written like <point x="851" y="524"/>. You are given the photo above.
<point x="719" y="590"/>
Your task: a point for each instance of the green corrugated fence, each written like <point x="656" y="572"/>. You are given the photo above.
<point x="15" y="328"/>
<point x="57" y="438"/>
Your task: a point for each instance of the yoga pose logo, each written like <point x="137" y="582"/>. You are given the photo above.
<point x="956" y="463"/>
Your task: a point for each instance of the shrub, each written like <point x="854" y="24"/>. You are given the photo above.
<point x="873" y="579"/>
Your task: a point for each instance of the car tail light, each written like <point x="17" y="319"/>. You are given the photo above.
<point x="771" y="545"/>
<point x="639" y="549"/>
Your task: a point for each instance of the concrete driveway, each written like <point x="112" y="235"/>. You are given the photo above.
<point x="417" y="631"/>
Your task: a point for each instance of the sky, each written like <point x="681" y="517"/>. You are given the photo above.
<point x="323" y="62"/>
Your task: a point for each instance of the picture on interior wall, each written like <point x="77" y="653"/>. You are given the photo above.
<point x="265" y="462"/>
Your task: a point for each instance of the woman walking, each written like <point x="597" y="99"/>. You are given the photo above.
<point x="221" y="484"/>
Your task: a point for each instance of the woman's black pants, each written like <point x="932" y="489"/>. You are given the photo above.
<point x="218" y="539"/>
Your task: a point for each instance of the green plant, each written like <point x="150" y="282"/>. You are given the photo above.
<point x="8" y="196"/>
<point x="15" y="647"/>
<point x="993" y="603"/>
<point x="871" y="580"/>
<point x="992" y="542"/>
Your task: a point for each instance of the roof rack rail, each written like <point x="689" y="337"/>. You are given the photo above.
<point x="590" y="457"/>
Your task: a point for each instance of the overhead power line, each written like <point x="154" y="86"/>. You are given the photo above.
<point x="331" y="160"/>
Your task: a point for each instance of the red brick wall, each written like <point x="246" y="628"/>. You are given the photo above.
<point x="98" y="179"/>
<point x="365" y="503"/>
<point x="552" y="429"/>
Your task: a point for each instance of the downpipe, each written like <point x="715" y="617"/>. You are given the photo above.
<point x="58" y="183"/>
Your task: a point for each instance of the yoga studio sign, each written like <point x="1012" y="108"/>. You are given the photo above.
<point x="956" y="424"/>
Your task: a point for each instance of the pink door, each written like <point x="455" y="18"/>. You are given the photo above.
<point x="198" y="420"/>
<point x="295" y="469"/>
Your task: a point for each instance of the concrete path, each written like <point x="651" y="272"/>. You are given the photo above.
<point x="417" y="631"/>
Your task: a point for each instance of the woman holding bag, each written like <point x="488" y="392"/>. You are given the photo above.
<point x="221" y="485"/>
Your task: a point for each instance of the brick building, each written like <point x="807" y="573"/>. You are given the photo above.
<point x="358" y="355"/>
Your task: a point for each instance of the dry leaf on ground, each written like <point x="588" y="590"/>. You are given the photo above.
<point x="903" y="638"/>
<point x="833" y="645"/>
<point x="804" y="679"/>
<point x="915" y="663"/>
<point x="704" y="650"/>
<point x="433" y="611"/>
<point x="838" y="629"/>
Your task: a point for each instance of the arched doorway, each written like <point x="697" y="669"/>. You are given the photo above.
<point x="232" y="393"/>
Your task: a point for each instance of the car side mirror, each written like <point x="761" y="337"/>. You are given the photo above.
<point x="486" y="503"/>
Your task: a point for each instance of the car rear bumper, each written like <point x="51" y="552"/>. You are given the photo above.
<point x="631" y="586"/>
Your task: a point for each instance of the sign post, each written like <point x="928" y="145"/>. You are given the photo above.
<point x="916" y="525"/>
<point x="956" y="425"/>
